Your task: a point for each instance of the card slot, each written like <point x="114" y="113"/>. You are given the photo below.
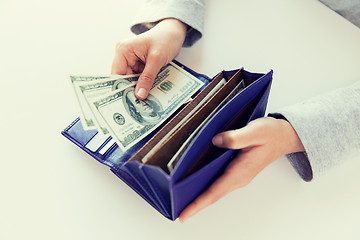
<point x="96" y="142"/>
<point x="76" y="131"/>
<point x="106" y="146"/>
<point x="77" y="134"/>
<point x="111" y="157"/>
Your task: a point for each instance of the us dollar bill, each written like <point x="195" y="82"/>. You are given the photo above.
<point x="98" y="89"/>
<point x="175" y="159"/>
<point x="75" y="82"/>
<point x="90" y="87"/>
<point x="129" y="119"/>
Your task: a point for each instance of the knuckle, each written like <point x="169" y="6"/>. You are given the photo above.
<point x="121" y="46"/>
<point x="147" y="78"/>
<point x="156" y="55"/>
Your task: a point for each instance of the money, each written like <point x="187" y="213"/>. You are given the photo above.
<point x="88" y="88"/>
<point x="98" y="89"/>
<point x="76" y="81"/>
<point x="129" y="119"/>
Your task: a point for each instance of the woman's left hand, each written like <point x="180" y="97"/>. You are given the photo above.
<point x="261" y="142"/>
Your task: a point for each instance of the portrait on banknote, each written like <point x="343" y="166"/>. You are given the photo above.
<point x="145" y="112"/>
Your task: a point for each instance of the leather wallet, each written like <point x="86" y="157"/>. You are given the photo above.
<point x="200" y="162"/>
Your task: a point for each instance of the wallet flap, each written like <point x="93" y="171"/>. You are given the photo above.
<point x="187" y="190"/>
<point x="135" y="171"/>
<point x="127" y="178"/>
<point x="160" y="183"/>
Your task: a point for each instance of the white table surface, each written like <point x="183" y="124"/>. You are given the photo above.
<point x="50" y="189"/>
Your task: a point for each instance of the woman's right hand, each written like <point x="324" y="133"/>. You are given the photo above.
<point x="148" y="52"/>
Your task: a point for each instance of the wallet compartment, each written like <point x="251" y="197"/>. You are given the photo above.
<point x="170" y="193"/>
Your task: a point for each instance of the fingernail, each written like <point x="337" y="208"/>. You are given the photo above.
<point x="218" y="140"/>
<point x="142" y="93"/>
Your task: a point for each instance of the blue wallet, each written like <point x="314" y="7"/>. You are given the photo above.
<point x="200" y="162"/>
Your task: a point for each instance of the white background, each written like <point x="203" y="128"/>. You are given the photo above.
<point x="50" y="189"/>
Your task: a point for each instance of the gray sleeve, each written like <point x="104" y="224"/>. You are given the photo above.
<point x="329" y="128"/>
<point x="349" y="9"/>
<point x="190" y="12"/>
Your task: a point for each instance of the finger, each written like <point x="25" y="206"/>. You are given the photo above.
<point x="130" y="65"/>
<point x="245" y="166"/>
<point x="217" y="190"/>
<point x="235" y="139"/>
<point x="248" y="136"/>
<point x="152" y="67"/>
<point x="129" y="70"/>
<point x="125" y="57"/>
<point x="138" y="67"/>
<point x="119" y="65"/>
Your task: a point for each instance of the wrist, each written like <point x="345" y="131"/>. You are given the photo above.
<point x="174" y="26"/>
<point x="291" y="140"/>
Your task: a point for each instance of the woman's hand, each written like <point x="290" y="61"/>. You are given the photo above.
<point x="261" y="142"/>
<point x="148" y="52"/>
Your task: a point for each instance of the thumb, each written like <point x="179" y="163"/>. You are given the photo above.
<point x="237" y="139"/>
<point x="146" y="79"/>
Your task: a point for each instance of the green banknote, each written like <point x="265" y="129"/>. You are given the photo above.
<point x="97" y="90"/>
<point x="88" y="88"/>
<point x="129" y="119"/>
<point x="76" y="81"/>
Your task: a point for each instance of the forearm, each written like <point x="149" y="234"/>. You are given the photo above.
<point x="174" y="29"/>
<point x="329" y="129"/>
